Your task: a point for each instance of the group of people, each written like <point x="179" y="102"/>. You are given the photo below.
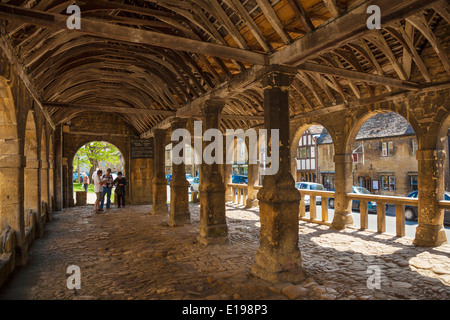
<point x="103" y="184"/>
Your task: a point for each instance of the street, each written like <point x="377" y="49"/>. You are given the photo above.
<point x="410" y="228"/>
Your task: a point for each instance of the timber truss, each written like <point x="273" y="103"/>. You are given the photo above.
<point x="151" y="60"/>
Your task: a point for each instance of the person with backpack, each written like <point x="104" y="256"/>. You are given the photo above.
<point x="120" y="182"/>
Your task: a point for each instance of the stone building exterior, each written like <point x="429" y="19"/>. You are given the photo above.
<point x="384" y="156"/>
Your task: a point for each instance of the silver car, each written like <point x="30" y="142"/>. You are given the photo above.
<point x="310" y="186"/>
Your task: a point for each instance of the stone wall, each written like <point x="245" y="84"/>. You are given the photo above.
<point x="92" y="126"/>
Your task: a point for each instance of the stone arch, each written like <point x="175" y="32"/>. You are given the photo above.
<point x="31" y="172"/>
<point x="11" y="167"/>
<point x="443" y="151"/>
<point x="44" y="166"/>
<point x="88" y="140"/>
<point x="405" y="144"/>
<point x="297" y="135"/>
<point x="51" y="172"/>
<point x="364" y="114"/>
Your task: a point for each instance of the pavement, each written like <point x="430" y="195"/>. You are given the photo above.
<point x="127" y="254"/>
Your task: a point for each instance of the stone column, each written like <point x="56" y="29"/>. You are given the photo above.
<point x="32" y="185"/>
<point x="278" y="257"/>
<point x="227" y="170"/>
<point x="342" y="185"/>
<point x="179" y="187"/>
<point x="252" y="177"/>
<point x="65" y="183"/>
<point x="58" y="170"/>
<point x="213" y="224"/>
<point x="159" y="187"/>
<point x="44" y="181"/>
<point x="45" y="188"/>
<point x="12" y="201"/>
<point x="70" y="185"/>
<point x="430" y="232"/>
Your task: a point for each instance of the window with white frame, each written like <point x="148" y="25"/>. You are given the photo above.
<point x="387" y="183"/>
<point x="387" y="149"/>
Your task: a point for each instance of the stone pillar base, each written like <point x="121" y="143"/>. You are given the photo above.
<point x="341" y="221"/>
<point x="21" y="257"/>
<point x="213" y="223"/>
<point x="430" y="236"/>
<point x="159" y="205"/>
<point x="180" y="220"/>
<point x="251" y="203"/>
<point x="216" y="235"/>
<point x="293" y="276"/>
<point x="179" y="203"/>
<point x="278" y="258"/>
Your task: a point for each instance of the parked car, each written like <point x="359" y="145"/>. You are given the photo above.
<point x="189" y="178"/>
<point x="411" y="212"/>
<point x="310" y="186"/>
<point x="239" y="179"/>
<point x="372" y="205"/>
<point x="194" y="184"/>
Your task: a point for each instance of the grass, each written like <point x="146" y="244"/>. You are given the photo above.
<point x="79" y="187"/>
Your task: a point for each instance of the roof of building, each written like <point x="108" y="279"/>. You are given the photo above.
<point x="379" y="126"/>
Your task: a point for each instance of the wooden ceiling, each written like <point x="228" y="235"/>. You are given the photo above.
<point x="150" y="60"/>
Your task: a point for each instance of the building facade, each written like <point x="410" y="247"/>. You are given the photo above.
<point x="384" y="157"/>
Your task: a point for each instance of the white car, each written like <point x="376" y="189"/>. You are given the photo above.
<point x="194" y="184"/>
<point x="310" y="186"/>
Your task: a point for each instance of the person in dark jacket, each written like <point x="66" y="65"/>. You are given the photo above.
<point x="120" y="182"/>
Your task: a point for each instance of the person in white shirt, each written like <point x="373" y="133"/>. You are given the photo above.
<point x="98" y="189"/>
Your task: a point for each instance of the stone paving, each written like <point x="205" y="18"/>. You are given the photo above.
<point x="128" y="254"/>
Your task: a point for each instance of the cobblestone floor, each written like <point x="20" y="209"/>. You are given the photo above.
<point x="128" y="254"/>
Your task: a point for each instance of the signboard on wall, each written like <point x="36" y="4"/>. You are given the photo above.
<point x="375" y="185"/>
<point x="141" y="148"/>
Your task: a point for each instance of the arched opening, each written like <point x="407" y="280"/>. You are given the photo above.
<point x="44" y="168"/>
<point x="312" y="156"/>
<point x="443" y="183"/>
<point x="31" y="172"/>
<point x="11" y="171"/>
<point x="51" y="187"/>
<point x="90" y="157"/>
<point x="383" y="148"/>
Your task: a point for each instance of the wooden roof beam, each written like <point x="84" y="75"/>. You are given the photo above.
<point x="359" y="76"/>
<point x="127" y="34"/>
<point x="347" y="28"/>
<point x="105" y="108"/>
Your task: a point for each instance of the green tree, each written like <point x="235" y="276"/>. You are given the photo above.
<point x="95" y="152"/>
